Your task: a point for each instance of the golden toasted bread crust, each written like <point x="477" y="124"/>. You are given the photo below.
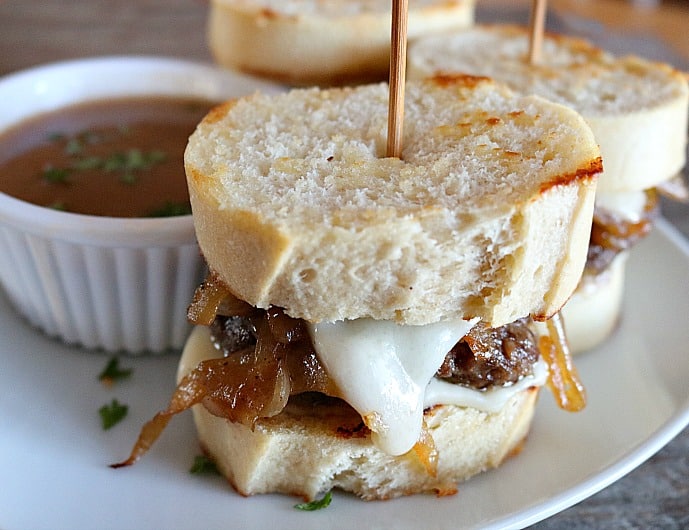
<point x="487" y="213"/>
<point x="636" y="108"/>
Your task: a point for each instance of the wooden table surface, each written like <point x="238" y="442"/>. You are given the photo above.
<point x="656" y="495"/>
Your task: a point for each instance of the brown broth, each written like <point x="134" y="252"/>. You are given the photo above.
<point x="116" y="158"/>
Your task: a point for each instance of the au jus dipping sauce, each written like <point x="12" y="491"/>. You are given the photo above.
<point x="115" y="158"/>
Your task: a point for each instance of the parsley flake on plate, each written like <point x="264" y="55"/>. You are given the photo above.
<point x="318" y="504"/>
<point x="112" y="414"/>
<point x="112" y="372"/>
<point x="203" y="465"/>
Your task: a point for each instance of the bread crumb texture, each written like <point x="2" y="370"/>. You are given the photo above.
<point x="296" y="204"/>
<point x="637" y="109"/>
<point x="307" y="451"/>
<point x="571" y="71"/>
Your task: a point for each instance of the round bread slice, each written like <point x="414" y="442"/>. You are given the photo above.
<point x="310" y="42"/>
<point x="637" y="109"/>
<point x="593" y="312"/>
<point x="487" y="213"/>
<point x="317" y="443"/>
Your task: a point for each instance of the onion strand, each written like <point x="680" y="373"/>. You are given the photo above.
<point x="563" y="378"/>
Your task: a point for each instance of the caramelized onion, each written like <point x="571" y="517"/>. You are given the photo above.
<point x="611" y="234"/>
<point x="307" y="373"/>
<point x="207" y="299"/>
<point x="242" y="388"/>
<point x="233" y="306"/>
<point x="283" y="327"/>
<point x="188" y="393"/>
<point x="426" y="451"/>
<point x="213" y="298"/>
<point x="563" y="379"/>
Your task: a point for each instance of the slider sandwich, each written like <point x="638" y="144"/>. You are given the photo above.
<point x="637" y="110"/>
<point x="317" y="42"/>
<point x="367" y="321"/>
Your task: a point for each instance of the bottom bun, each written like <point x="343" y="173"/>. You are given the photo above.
<point x="318" y="443"/>
<point x="593" y="311"/>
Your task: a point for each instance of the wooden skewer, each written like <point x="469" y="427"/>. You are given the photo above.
<point x="398" y="66"/>
<point x="538" y="11"/>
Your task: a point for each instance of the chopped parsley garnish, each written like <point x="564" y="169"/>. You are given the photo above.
<point x="129" y="162"/>
<point x="318" y="504"/>
<point x="112" y="372"/>
<point x="87" y="162"/>
<point x="58" y="205"/>
<point x="171" y="209"/>
<point x="125" y="163"/>
<point x="74" y="146"/>
<point x="56" y="137"/>
<point x="55" y="175"/>
<point x="112" y="414"/>
<point x="203" y="465"/>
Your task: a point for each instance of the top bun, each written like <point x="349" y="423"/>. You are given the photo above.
<point x="320" y="42"/>
<point x="637" y="109"/>
<point x="487" y="214"/>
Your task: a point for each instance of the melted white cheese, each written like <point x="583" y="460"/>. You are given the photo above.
<point x="383" y="369"/>
<point x="378" y="366"/>
<point x="489" y="400"/>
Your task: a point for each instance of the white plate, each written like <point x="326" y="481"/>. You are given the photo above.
<point x="54" y="455"/>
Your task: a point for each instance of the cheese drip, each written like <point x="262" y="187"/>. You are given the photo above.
<point x="199" y="347"/>
<point x="383" y="368"/>
<point x="492" y="399"/>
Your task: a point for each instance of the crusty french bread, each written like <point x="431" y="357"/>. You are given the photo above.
<point x="311" y="42"/>
<point x="487" y="214"/>
<point x="316" y="444"/>
<point x="593" y="312"/>
<point x="637" y="109"/>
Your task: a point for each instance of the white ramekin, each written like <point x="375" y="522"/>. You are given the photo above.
<point x="112" y="284"/>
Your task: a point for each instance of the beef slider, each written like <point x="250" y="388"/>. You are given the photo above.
<point x="389" y="262"/>
<point x="484" y="358"/>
